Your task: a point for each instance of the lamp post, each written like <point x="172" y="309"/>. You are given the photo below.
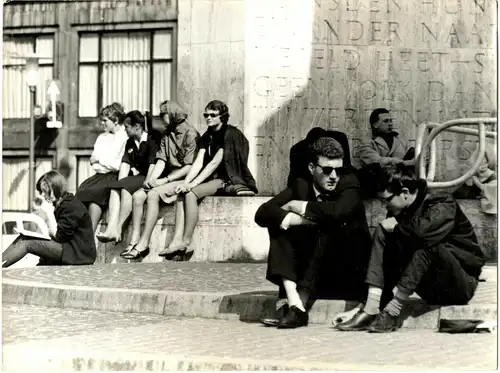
<point x="32" y="78"/>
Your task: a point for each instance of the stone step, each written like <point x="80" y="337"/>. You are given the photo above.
<point x="226" y="231"/>
<point x="246" y="299"/>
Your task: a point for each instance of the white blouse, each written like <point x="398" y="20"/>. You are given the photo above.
<point x="109" y="149"/>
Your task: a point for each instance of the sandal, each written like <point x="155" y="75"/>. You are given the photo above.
<point x="136" y="254"/>
<point x="128" y="249"/>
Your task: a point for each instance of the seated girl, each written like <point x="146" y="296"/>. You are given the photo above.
<point x="174" y="159"/>
<point x="105" y="161"/>
<point x="220" y="168"/>
<point x="137" y="165"/>
<point x="70" y="228"/>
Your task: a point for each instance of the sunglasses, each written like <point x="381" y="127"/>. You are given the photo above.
<point x="211" y="115"/>
<point x="386" y="200"/>
<point x="327" y="170"/>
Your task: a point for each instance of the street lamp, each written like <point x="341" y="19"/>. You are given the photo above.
<point x="32" y="78"/>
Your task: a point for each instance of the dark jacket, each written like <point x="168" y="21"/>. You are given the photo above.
<point x="74" y="231"/>
<point x="344" y="241"/>
<point x="299" y="155"/>
<point x="236" y="158"/>
<point x="437" y="219"/>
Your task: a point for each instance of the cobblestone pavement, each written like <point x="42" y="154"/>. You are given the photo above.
<point x="185" y="277"/>
<point x="76" y="335"/>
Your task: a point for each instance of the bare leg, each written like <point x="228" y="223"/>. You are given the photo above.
<point x="191" y="217"/>
<point x="179" y="221"/>
<point x="95" y="213"/>
<point x="125" y="210"/>
<point x="113" y="215"/>
<point x="139" y="198"/>
<point x="153" y="201"/>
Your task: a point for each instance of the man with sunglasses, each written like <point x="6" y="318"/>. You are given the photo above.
<point x="386" y="145"/>
<point x="425" y="245"/>
<point x="320" y="245"/>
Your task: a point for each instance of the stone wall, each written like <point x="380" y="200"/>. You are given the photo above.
<point x="329" y="63"/>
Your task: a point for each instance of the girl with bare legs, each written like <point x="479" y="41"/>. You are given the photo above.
<point x="105" y="160"/>
<point x="140" y="150"/>
<point x="174" y="159"/>
<point x="221" y="166"/>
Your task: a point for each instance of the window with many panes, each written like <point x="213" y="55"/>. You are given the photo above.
<point x="15" y="98"/>
<point x="133" y="68"/>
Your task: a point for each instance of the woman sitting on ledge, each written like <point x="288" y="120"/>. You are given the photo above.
<point x="220" y="168"/>
<point x="70" y="227"/>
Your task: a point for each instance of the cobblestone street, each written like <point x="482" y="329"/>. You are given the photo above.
<point x="81" y="339"/>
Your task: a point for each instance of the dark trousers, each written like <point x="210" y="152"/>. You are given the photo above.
<point x="434" y="274"/>
<point x="48" y="250"/>
<point x="291" y="256"/>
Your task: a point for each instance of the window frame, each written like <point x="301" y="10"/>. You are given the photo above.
<point x="23" y="123"/>
<point x="171" y="28"/>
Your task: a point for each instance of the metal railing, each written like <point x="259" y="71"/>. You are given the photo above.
<point x="421" y="146"/>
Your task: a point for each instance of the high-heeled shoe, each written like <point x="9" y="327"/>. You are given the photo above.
<point x="169" y="253"/>
<point x="128" y="249"/>
<point x="183" y="257"/>
<point x="136" y="254"/>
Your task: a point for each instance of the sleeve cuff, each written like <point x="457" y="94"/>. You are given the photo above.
<point x="285" y="224"/>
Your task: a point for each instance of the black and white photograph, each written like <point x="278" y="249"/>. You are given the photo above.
<point x="249" y="185"/>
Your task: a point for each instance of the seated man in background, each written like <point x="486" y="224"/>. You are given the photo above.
<point x="426" y="245"/>
<point x="386" y="146"/>
<point x="318" y="244"/>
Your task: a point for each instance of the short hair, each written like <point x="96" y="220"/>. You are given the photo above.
<point x="55" y="181"/>
<point x="221" y="107"/>
<point x="395" y="177"/>
<point x="375" y="115"/>
<point x="176" y="113"/>
<point x="143" y="119"/>
<point x="326" y="147"/>
<point x="114" y="112"/>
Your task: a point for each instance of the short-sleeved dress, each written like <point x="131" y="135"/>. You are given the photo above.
<point x="138" y="157"/>
<point x="178" y="148"/>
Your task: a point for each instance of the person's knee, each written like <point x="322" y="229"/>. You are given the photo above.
<point x="153" y="196"/>
<point x="139" y="197"/>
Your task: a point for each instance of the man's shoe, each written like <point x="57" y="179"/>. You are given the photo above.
<point x="384" y="323"/>
<point x="360" y="321"/>
<point x="295" y="318"/>
<point x="274" y="321"/>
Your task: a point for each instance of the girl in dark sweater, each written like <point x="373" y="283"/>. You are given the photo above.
<point x="70" y="228"/>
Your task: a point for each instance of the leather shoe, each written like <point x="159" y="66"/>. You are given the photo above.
<point x="360" y="321"/>
<point x="384" y="323"/>
<point x="295" y="318"/>
<point x="274" y="321"/>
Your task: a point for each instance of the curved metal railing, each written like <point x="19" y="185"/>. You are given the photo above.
<point x="429" y="142"/>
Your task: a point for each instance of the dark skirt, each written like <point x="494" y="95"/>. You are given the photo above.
<point x="96" y="188"/>
<point x="130" y="183"/>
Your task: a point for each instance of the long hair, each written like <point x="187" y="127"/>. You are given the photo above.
<point x="55" y="181"/>
<point x="176" y="113"/>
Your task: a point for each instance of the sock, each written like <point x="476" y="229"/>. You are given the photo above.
<point x="281" y="302"/>
<point x="373" y="300"/>
<point x="292" y="294"/>
<point x="394" y="307"/>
